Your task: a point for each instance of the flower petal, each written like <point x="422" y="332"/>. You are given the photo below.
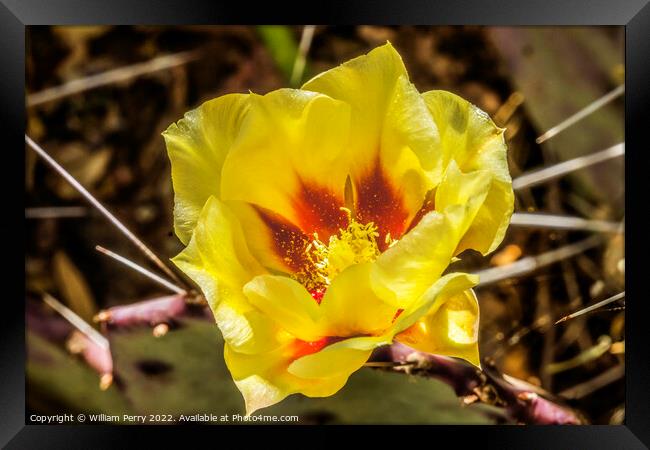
<point x="470" y="189"/>
<point x="468" y="136"/>
<point x="393" y="147"/>
<point x="264" y="379"/>
<point x="450" y="329"/>
<point x="458" y="188"/>
<point x="291" y="159"/>
<point x="434" y="297"/>
<point x="218" y="260"/>
<point x="351" y="307"/>
<point x="393" y="180"/>
<point x="404" y="271"/>
<point x="275" y="242"/>
<point x="408" y="124"/>
<point x="491" y="221"/>
<point x="332" y="361"/>
<point x="287" y="302"/>
<point x="367" y="84"/>
<point x="197" y="146"/>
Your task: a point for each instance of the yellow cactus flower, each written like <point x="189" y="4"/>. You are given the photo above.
<point x="319" y="222"/>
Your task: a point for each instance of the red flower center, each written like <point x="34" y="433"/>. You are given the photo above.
<point x="317" y="294"/>
<point x="304" y="348"/>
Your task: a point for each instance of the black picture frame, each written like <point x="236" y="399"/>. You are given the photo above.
<point x="633" y="14"/>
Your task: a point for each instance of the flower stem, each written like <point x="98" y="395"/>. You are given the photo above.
<point x="523" y="403"/>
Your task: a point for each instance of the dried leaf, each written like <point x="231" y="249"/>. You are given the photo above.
<point x="87" y="167"/>
<point x="73" y="287"/>
<point x="76" y="38"/>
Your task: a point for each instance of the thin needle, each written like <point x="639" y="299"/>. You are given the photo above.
<point x="557" y="170"/>
<point x="111" y="76"/>
<point x="76" y="321"/>
<point x="593" y="307"/>
<point x="592" y="107"/>
<point x="301" y="57"/>
<point x="93" y="201"/>
<point x="532" y="263"/>
<point x="172" y="287"/>
<point x="564" y="223"/>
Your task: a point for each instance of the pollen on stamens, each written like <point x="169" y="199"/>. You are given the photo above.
<point x="355" y="244"/>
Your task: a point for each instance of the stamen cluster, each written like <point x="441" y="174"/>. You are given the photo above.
<point x="355" y="244"/>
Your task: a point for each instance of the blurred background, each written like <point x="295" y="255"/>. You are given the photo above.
<point x="98" y="98"/>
